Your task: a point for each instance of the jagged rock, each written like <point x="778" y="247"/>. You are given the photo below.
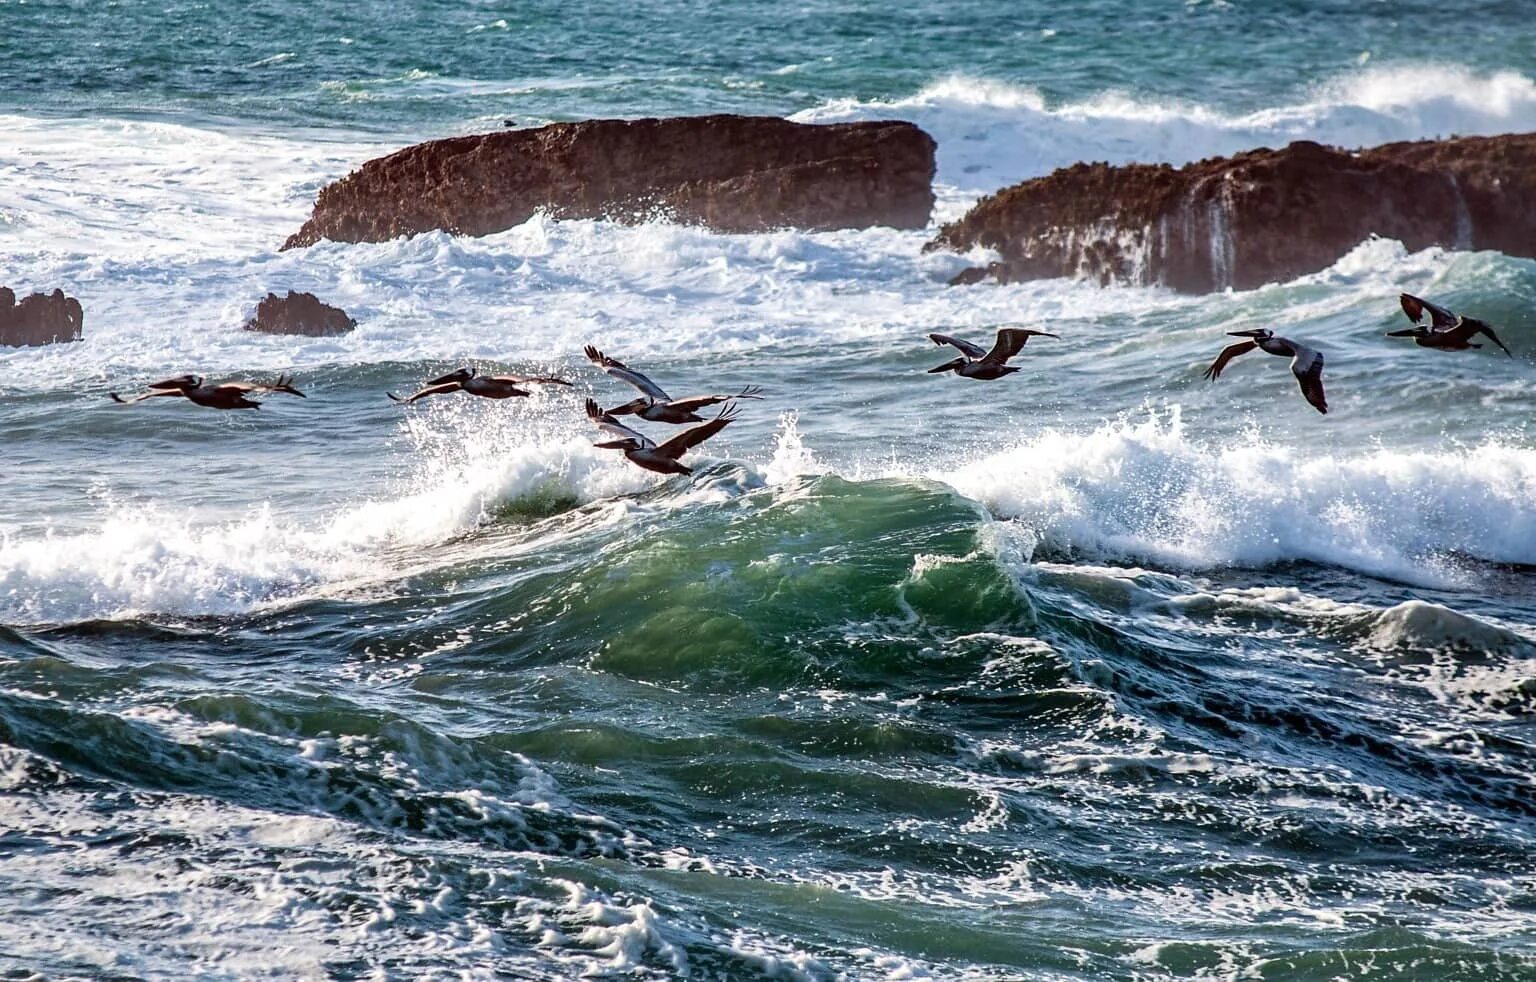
<point x="1257" y="217"/>
<point x="42" y="318"/>
<point x="730" y="173"/>
<point x="299" y="313"/>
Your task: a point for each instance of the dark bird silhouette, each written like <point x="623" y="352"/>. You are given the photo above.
<point x="986" y="365"/>
<point x="487" y="386"/>
<point x="654" y="404"/>
<point x="1306" y="364"/>
<point x="1447" y="331"/>
<point x="224" y="395"/>
<point x="642" y="450"/>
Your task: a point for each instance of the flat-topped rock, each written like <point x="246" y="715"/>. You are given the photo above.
<point x="729" y="173"/>
<point x="299" y="313"/>
<point x="42" y="318"/>
<point x="1254" y="218"/>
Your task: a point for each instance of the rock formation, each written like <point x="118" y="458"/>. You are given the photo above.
<point x="39" y="319"/>
<point x="1255" y="218"/>
<point x="730" y="173"/>
<point x="299" y="313"/>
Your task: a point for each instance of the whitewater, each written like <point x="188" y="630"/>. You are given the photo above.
<point x="1102" y="670"/>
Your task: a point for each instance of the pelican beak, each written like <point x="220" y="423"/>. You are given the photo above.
<point x="1258" y="333"/>
<point x="457" y="376"/>
<point x="948" y="366"/>
<point x="1402" y="334"/>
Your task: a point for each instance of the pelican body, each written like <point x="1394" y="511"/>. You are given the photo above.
<point x="1306" y="364"/>
<point x="654" y="404"/>
<point x="224" y="395"/>
<point x="986" y="365"/>
<point x="645" y="452"/>
<point x="486" y="386"/>
<point x="1446" y="330"/>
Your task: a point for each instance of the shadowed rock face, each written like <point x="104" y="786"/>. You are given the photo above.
<point x="1255" y="218"/>
<point x="730" y="173"/>
<point x="42" y="318"/>
<point x="299" y="313"/>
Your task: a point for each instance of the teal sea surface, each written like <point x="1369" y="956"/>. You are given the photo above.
<point x="1098" y="671"/>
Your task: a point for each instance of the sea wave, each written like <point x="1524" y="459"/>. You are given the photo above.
<point x="1143" y="490"/>
<point x="992" y="134"/>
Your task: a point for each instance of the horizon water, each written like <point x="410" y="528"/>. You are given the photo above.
<point x="1097" y="671"/>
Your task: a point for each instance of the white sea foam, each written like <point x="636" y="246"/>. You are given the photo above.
<point x="992" y="134"/>
<point x="146" y="559"/>
<point x="1146" y="491"/>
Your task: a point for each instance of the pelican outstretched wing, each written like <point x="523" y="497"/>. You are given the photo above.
<point x="152" y="393"/>
<point x="692" y="437"/>
<point x="614" y="428"/>
<point x="1227" y="354"/>
<point x="1307" y="366"/>
<point x="1010" y="341"/>
<point x="966" y="348"/>
<point x="431" y="390"/>
<point x="1439" y="318"/>
<point x="624" y="373"/>
<point x="699" y="402"/>
<point x="1479" y="327"/>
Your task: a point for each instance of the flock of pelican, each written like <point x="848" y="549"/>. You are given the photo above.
<point x="1445" y="330"/>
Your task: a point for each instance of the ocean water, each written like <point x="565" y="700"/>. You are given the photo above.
<point x="1098" y="671"/>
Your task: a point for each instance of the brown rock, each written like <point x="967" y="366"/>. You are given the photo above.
<point x="39" y="319"/>
<point x="1257" y="217"/>
<point x="730" y="173"/>
<point x="299" y="313"/>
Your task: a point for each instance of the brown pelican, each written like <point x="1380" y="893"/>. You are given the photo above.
<point x="225" y="395"/>
<point x="654" y="404"/>
<point x="1446" y="330"/>
<point x="1306" y="364"/>
<point x="986" y="365"/>
<point x="489" y="386"/>
<point x="642" y="450"/>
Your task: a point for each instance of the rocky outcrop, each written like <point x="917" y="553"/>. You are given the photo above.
<point x="1255" y="218"/>
<point x="730" y="173"/>
<point x="299" y="313"/>
<point x="42" y="318"/>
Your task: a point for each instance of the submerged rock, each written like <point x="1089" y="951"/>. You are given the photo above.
<point x="730" y="173"/>
<point x="42" y="318"/>
<point x="1254" y="218"/>
<point x="299" y="313"/>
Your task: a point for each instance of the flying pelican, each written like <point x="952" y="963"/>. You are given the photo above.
<point x="225" y="395"/>
<point x="642" y="450"/>
<point x="489" y="386"/>
<point x="654" y="404"/>
<point x="1446" y="330"/>
<point x="986" y="365"/>
<point x="1306" y="364"/>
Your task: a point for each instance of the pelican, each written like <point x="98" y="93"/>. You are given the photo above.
<point x="986" y="365"/>
<point x="489" y="386"/>
<point x="1448" y="331"/>
<point x="225" y="395"/>
<point x="654" y="404"/>
<point x="1306" y="364"/>
<point x="642" y="450"/>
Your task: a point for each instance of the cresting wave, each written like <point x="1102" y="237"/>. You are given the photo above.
<point x="1130" y="491"/>
<point x="992" y="134"/>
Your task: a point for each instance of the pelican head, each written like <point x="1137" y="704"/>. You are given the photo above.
<point x="462" y="375"/>
<point x="1258" y="334"/>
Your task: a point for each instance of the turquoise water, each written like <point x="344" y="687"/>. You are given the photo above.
<point x="1098" y="671"/>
